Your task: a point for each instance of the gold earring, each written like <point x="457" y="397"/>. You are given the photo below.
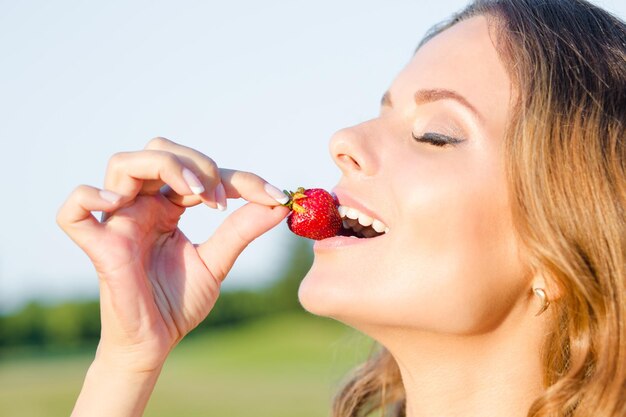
<point x="545" y="303"/>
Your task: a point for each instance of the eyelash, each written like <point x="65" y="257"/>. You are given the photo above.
<point x="436" y="139"/>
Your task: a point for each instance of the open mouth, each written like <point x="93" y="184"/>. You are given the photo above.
<point x="360" y="225"/>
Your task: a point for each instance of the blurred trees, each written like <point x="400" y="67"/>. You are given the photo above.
<point x="64" y="325"/>
<point x="77" y="323"/>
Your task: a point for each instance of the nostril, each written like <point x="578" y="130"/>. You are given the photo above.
<point x="353" y="151"/>
<point x="349" y="161"/>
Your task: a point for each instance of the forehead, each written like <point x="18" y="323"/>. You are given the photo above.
<point x="462" y="58"/>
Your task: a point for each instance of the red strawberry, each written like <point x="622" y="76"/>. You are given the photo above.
<point x="314" y="213"/>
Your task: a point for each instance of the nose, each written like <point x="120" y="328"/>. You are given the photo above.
<point x="353" y="153"/>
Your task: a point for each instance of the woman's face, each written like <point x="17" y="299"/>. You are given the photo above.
<point x="449" y="261"/>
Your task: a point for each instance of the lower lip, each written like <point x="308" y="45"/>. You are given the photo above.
<point x="340" y="242"/>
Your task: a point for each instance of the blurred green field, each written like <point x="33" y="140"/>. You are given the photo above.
<point x="287" y="365"/>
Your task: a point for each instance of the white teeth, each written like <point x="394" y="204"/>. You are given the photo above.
<point x="378" y="226"/>
<point x="352" y="213"/>
<point x="365" y="220"/>
<point x="353" y="218"/>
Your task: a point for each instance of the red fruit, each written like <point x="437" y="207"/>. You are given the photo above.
<point x="314" y="214"/>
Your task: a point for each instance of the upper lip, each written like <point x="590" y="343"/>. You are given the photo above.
<point x="346" y="199"/>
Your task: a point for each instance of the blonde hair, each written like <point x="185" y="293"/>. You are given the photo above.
<point x="565" y="159"/>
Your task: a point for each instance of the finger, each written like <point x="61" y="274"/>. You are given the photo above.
<point x="75" y="217"/>
<point x="200" y="164"/>
<point x="236" y="184"/>
<point x="128" y="172"/>
<point x="251" y="187"/>
<point x="233" y="184"/>
<point x="238" y="230"/>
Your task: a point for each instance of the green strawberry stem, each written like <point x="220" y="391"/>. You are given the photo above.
<point x="293" y="197"/>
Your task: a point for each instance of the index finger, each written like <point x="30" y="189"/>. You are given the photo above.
<point x="251" y="187"/>
<point x="236" y="184"/>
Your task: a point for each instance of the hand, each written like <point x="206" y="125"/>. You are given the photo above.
<point x="155" y="285"/>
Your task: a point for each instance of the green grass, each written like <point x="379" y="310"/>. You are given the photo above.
<point x="287" y="365"/>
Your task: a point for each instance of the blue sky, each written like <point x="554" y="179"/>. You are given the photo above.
<point x="259" y="86"/>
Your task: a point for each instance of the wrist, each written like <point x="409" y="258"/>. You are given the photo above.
<point x="129" y="360"/>
<point x="110" y="389"/>
<point x="120" y="371"/>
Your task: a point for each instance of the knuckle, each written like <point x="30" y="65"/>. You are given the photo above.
<point x="75" y="197"/>
<point x="250" y="177"/>
<point x="209" y="166"/>
<point x="166" y="162"/>
<point x="239" y="235"/>
<point x="169" y="159"/>
<point x="158" y="143"/>
<point x="79" y="195"/>
<point x="117" y="158"/>
<point x="81" y="189"/>
<point x="60" y="217"/>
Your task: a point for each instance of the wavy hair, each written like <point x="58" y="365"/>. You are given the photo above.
<point x="566" y="173"/>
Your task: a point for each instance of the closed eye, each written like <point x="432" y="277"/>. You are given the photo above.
<point x="436" y="139"/>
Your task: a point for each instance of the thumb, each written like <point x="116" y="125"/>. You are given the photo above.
<point x="235" y="233"/>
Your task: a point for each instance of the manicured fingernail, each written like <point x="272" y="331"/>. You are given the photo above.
<point x="220" y="197"/>
<point x="193" y="182"/>
<point x="276" y="194"/>
<point x="109" y="196"/>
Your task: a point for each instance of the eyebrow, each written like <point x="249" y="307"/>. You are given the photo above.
<point x="435" y="94"/>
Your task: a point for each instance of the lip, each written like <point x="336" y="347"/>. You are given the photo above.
<point x="339" y="242"/>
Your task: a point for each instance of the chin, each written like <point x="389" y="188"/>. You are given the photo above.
<point x="338" y="292"/>
<point x="333" y="295"/>
<point x="316" y="294"/>
<point x="326" y="291"/>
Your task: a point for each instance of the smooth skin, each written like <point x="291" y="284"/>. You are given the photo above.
<point x="447" y="290"/>
<point x="155" y="285"/>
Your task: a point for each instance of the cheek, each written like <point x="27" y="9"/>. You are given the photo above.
<point x="450" y="264"/>
<point x="457" y="267"/>
<point x="467" y="287"/>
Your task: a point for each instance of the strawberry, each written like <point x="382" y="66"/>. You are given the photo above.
<point x="314" y="213"/>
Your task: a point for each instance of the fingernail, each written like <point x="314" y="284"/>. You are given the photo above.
<point x="220" y="197"/>
<point x="109" y="196"/>
<point x="193" y="182"/>
<point x="276" y="194"/>
<point x="166" y="189"/>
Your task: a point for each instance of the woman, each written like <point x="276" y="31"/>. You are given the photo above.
<point x="497" y="164"/>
